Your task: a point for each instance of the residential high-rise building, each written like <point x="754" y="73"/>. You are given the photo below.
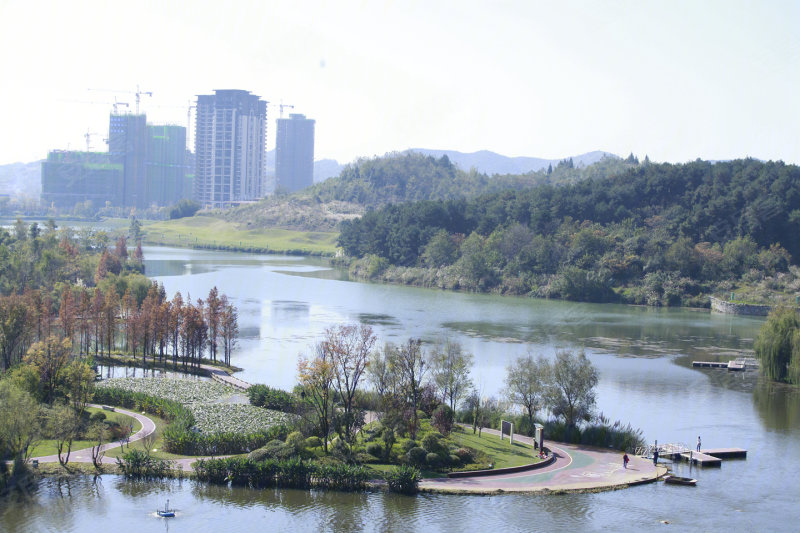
<point x="294" y="153"/>
<point x="230" y="143"/>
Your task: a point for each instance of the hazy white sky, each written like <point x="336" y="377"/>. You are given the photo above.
<point x="672" y="79"/>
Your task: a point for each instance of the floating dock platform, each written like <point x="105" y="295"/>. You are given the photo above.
<point x="680" y="452"/>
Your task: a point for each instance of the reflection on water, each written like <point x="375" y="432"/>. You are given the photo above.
<point x="778" y="405"/>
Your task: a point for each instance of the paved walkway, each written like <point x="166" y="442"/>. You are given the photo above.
<point x="85" y="455"/>
<point x="223" y="377"/>
<point x="577" y="468"/>
<point x="148" y="427"/>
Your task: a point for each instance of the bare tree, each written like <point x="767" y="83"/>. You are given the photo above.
<point x="316" y="376"/>
<point x="348" y="348"/>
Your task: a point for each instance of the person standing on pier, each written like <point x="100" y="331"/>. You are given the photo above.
<point x="625" y="460"/>
<point x="698" y="443"/>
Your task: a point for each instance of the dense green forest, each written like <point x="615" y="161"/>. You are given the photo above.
<point x="395" y="178"/>
<point x="656" y="234"/>
<point x="409" y="177"/>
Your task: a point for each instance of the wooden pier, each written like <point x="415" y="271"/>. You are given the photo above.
<point x="738" y="365"/>
<point x="680" y="452"/>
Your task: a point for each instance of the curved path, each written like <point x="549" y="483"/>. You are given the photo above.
<point x="576" y="468"/>
<point x="85" y="455"/>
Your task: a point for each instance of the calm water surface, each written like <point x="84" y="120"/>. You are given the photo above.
<point x="643" y="355"/>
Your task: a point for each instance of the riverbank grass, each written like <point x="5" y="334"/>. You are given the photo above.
<point x="214" y="233"/>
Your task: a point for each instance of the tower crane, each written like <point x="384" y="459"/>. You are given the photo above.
<point x="88" y="137"/>
<point x="138" y="93"/>
<point x="281" y="106"/>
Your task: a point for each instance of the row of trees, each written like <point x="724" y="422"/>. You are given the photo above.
<point x="57" y="284"/>
<point x="408" y="379"/>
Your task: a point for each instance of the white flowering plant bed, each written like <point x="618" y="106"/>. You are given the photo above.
<point x="235" y="418"/>
<point x="186" y="391"/>
<point x="207" y="401"/>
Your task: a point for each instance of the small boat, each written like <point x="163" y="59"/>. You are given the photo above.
<point x="166" y="512"/>
<point x="678" y="480"/>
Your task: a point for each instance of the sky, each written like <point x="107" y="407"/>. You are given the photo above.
<point x="674" y="80"/>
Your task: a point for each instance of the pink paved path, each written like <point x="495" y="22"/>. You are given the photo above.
<point x="576" y="468"/>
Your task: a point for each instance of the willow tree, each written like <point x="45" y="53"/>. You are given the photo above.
<point x="778" y="346"/>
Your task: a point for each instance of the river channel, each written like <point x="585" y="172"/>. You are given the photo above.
<point x="643" y="356"/>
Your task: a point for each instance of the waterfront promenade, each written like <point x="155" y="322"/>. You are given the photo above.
<point x="576" y="468"/>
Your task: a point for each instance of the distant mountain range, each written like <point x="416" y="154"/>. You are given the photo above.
<point x="21" y="179"/>
<point x="491" y="163"/>
<point x="24" y="179"/>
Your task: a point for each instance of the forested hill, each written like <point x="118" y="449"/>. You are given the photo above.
<point x="692" y="226"/>
<point x="409" y="176"/>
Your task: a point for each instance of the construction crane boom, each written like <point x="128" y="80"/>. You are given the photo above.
<point x="138" y="93"/>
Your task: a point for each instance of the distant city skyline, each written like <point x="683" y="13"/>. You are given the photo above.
<point x="673" y="80"/>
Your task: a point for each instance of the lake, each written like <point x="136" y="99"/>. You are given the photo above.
<point x="643" y="356"/>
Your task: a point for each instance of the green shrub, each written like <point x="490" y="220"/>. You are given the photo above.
<point x="407" y="444"/>
<point x="454" y="459"/>
<point x="464" y="455"/>
<point x="99" y="416"/>
<point x="403" y="479"/>
<point x="417" y="455"/>
<point x="433" y="444"/>
<point x="374" y="448"/>
<point x="258" y="455"/>
<point x="277" y="399"/>
<point x="313" y="442"/>
<point x="433" y="460"/>
<point x="139" y="464"/>
<point x="296" y="440"/>
<point x="275" y="449"/>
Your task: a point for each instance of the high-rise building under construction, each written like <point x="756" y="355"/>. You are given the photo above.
<point x="230" y="143"/>
<point x="145" y="165"/>
<point x="294" y="153"/>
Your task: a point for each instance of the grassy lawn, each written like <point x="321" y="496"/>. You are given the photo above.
<point x="48" y="447"/>
<point x="503" y="454"/>
<point x="157" y="445"/>
<point x="209" y="231"/>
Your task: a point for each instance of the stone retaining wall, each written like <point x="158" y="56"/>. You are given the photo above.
<point x="731" y="308"/>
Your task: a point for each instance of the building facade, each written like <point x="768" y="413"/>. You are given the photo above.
<point x="294" y="153"/>
<point x="230" y="144"/>
<point x="145" y="165"/>
<point x="127" y="146"/>
<point x="70" y="178"/>
<point x="166" y="165"/>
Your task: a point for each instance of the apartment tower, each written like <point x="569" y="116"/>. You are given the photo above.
<point x="230" y="142"/>
<point x="294" y="157"/>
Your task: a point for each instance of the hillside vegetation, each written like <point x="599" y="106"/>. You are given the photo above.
<point x="657" y="234"/>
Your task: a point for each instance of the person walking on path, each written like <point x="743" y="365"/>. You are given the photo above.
<point x="655" y="457"/>
<point x="698" y="443"/>
<point x="625" y="461"/>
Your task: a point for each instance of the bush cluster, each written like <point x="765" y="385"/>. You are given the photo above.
<point x="290" y="473"/>
<point x="265" y="396"/>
